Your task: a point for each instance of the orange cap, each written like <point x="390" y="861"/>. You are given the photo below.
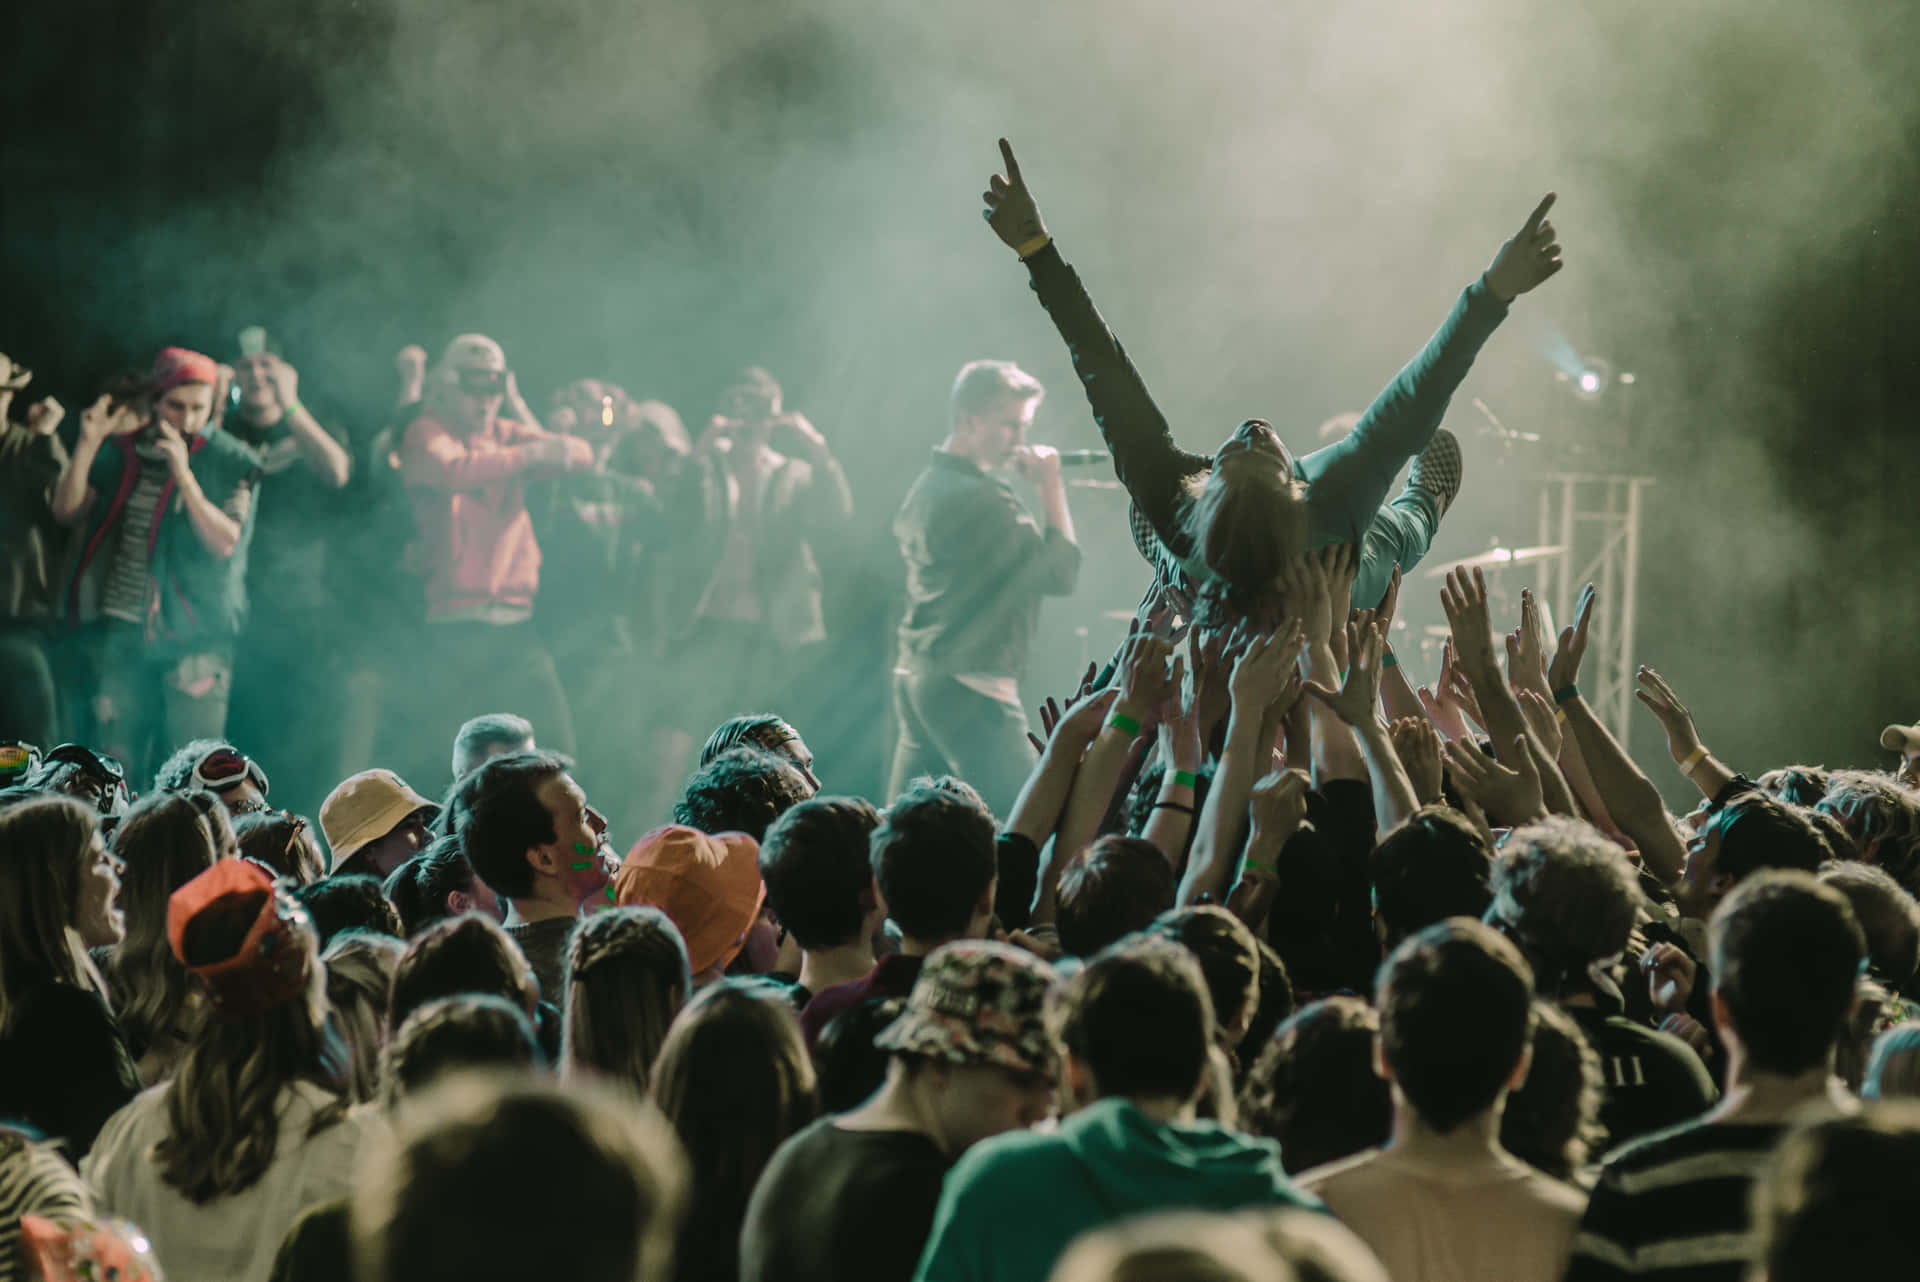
<point x="709" y="886"/>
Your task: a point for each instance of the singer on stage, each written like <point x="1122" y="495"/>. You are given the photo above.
<point x="977" y="566"/>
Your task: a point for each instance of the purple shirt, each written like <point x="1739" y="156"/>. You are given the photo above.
<point x="892" y="977"/>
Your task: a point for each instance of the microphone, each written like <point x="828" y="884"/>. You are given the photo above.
<point x="1084" y="458"/>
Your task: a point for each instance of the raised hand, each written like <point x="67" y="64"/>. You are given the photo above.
<point x="1509" y="793"/>
<point x="1565" y="668"/>
<point x="1527" y="648"/>
<point x="1542" y="721"/>
<point x="1340" y="563"/>
<point x="1528" y="259"/>
<point x="1417" y="743"/>
<point x="1145" y="681"/>
<point x="1464" y="598"/>
<point x="1390" y="602"/>
<point x="1011" y="211"/>
<point x="286" y="382"/>
<point x="103" y="419"/>
<point x="1653" y="691"/>
<point x="1670" y="973"/>
<point x="172" y="447"/>
<point x="1278" y="804"/>
<point x="1265" y="678"/>
<point x="1208" y="665"/>
<point x="1359" y="694"/>
<point x="1038" y="463"/>
<point x="1303" y="584"/>
<point x="44" y="415"/>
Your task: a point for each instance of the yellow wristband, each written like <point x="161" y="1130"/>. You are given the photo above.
<point x="1560" y="715"/>
<point x="1693" y="760"/>
<point x="1034" y="246"/>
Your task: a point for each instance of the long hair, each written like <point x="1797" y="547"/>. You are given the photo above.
<point x="735" y="1080"/>
<point x="43" y="847"/>
<point x="165" y="841"/>
<point x="1243" y="530"/>
<point x="223" y="1125"/>
<point x="627" y="977"/>
<point x="360" y="966"/>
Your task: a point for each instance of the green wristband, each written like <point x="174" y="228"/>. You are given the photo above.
<point x="290" y="410"/>
<point x="1390" y="660"/>
<point x="1255" y="864"/>
<point x="1186" y="778"/>
<point x="1121" y="721"/>
<point x="1566" y="693"/>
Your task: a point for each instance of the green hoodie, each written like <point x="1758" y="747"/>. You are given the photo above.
<point x="1009" y="1208"/>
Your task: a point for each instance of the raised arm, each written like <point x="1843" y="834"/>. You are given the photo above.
<point x="1356" y="703"/>
<point x="1350" y="477"/>
<point x="327" y="457"/>
<point x="218" y="526"/>
<point x="1708" y="773"/>
<point x="1145" y="458"/>
<point x="1629" y="795"/>
<point x="434" y="457"/>
<point x="72" y="494"/>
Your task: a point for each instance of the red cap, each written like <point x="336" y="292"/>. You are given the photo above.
<point x="273" y="962"/>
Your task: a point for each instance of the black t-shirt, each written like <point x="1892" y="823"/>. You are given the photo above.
<point x="1653" y="1079"/>
<point x="296" y="516"/>
<point x="64" y="1066"/>
<point x="836" y="1204"/>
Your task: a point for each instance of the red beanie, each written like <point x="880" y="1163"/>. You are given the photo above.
<point x="176" y="365"/>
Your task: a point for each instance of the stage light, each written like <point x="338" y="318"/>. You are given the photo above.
<point x="1593" y="378"/>
<point x="1589" y="382"/>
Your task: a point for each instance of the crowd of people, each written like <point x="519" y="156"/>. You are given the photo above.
<point x="1248" y="960"/>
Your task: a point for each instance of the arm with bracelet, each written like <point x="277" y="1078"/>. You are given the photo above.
<point x="1036" y="813"/>
<point x="1278" y="807"/>
<point x="1629" y="795"/>
<point x="1354" y="703"/>
<point x="1263" y="679"/>
<point x="1705" y="771"/>
<point x="1144" y="683"/>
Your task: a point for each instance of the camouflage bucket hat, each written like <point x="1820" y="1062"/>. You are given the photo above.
<point x="978" y="1002"/>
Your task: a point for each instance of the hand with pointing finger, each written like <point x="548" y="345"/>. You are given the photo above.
<point x="1528" y="259"/>
<point x="1010" y="211"/>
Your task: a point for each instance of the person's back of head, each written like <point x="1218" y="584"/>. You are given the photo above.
<point x="470" y="1033"/>
<point x="1833" y="835"/>
<point x="1567" y="896"/>
<point x="1796" y="785"/>
<point x="1434" y="866"/>
<point x="1229" y="959"/>
<point x="434" y="885"/>
<point x="1245" y="525"/>
<point x="1893" y="1067"/>
<point x="284" y="842"/>
<point x="47" y="854"/>
<point x="1109" y="890"/>
<point x="627" y="977"/>
<point x="500" y="816"/>
<point x="735" y="1081"/>
<point x="175" y="774"/>
<point x="1552" y="1123"/>
<point x="1759" y="832"/>
<point x="1784" y="952"/>
<point x="1314" y="1089"/>
<point x="1456" y="1017"/>
<point x="465" y="954"/>
<point x="448" y="1198"/>
<point x="1136" y="1022"/>
<point x="1274" y="1007"/>
<point x="762" y="730"/>
<point x="814" y="860"/>
<point x="1888" y="916"/>
<point x="360" y="966"/>
<point x="933" y="857"/>
<point x="491" y="734"/>
<point x="1840" y="1197"/>
<point x="166" y="840"/>
<point x="741" y="790"/>
<point x="1882" y="818"/>
<point x="349" y="902"/>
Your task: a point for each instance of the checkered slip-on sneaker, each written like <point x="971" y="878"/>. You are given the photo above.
<point x="1439" y="469"/>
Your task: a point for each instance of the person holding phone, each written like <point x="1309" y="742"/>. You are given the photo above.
<point x="164" y="500"/>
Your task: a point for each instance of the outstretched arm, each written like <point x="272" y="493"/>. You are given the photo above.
<point x="1147" y="461"/>
<point x="1350" y="477"/>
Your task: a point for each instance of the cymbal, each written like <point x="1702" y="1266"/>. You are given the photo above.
<point x="1497" y="559"/>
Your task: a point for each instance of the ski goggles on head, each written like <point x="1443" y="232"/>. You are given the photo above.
<point x="224" y="769"/>
<point x="17" y="761"/>
<point x="113" y="795"/>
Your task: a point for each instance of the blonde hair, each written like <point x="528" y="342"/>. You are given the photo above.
<point x="1243" y="530"/>
<point x="44" y="844"/>
<point x="360" y="966"/>
<point x="627" y="977"/>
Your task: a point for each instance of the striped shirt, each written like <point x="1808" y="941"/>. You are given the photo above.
<point x="1674" y="1206"/>
<point x="125" y="595"/>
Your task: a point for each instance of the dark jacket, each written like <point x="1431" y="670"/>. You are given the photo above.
<point x="193" y="597"/>
<point x="30" y="539"/>
<point x="977" y="566"/>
